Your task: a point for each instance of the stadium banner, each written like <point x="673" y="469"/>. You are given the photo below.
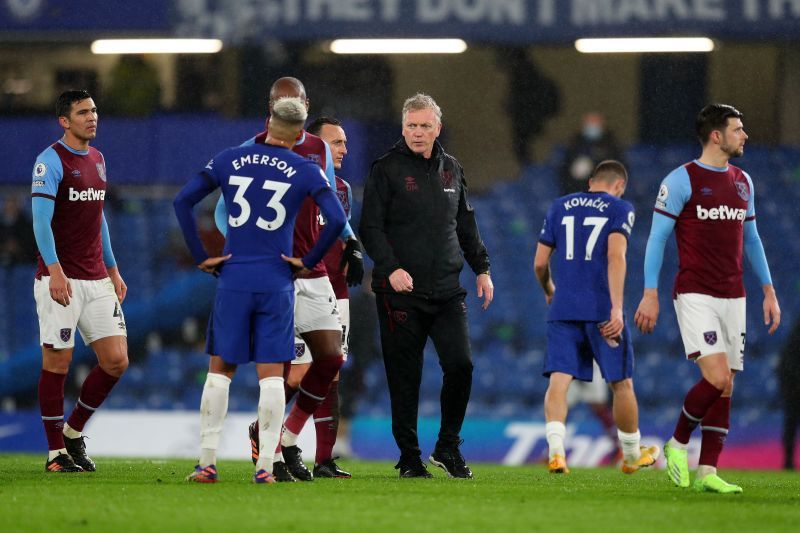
<point x="167" y="434"/>
<point x="511" y="21"/>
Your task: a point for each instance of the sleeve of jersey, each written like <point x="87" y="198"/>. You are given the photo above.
<point x="755" y="253"/>
<point x="623" y="220"/>
<point x="47" y="174"/>
<point x="194" y="191"/>
<point x="221" y="216"/>
<point x="335" y="218"/>
<point x="674" y="192"/>
<point x="105" y="236"/>
<point x="42" y="210"/>
<point x="349" y="199"/>
<point x="347" y="232"/>
<point x="546" y="235"/>
<point x="751" y="202"/>
<point x="654" y="253"/>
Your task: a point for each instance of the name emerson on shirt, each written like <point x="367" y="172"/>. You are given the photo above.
<point x="261" y="159"/>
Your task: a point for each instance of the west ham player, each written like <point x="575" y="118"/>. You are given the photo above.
<point x="77" y="280"/>
<point x="317" y="319"/>
<point x="253" y="309"/>
<point x="710" y="204"/>
<point x="326" y="417"/>
<point x="586" y="236"/>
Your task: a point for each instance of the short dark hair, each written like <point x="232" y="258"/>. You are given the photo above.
<point x="714" y="117"/>
<point x="315" y="127"/>
<point x="67" y="98"/>
<point x="609" y="171"/>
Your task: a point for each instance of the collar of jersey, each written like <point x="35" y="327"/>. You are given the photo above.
<point x="709" y="167"/>
<point x="73" y="150"/>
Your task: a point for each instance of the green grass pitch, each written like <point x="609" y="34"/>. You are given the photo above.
<point x="147" y="495"/>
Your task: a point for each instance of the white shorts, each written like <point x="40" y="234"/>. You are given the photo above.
<point x="315" y="309"/>
<point x="94" y="309"/>
<point x="712" y="325"/>
<point x="591" y="392"/>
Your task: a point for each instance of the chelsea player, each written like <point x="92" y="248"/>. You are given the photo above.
<point x="585" y="236"/>
<point x="263" y="186"/>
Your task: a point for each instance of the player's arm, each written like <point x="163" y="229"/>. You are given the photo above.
<point x="675" y="191"/>
<point x="331" y="208"/>
<point x="192" y="193"/>
<point x="353" y="255"/>
<point x="330" y="173"/>
<point x="617" y="267"/>
<point x="47" y="174"/>
<point x="754" y="249"/>
<point x="541" y="266"/>
<point x="120" y="288"/>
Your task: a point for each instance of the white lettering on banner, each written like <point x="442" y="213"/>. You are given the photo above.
<point x="472" y="11"/>
<point x="597" y="12"/>
<point x="526" y="435"/>
<point x="777" y="8"/>
<point x="751" y="9"/>
<point x="347" y="10"/>
<point x="390" y="10"/>
<point x="547" y="12"/>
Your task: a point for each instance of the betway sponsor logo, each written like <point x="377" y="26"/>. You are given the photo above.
<point x="87" y="195"/>
<point x="722" y="212"/>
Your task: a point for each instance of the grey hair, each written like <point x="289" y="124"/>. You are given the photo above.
<point x="290" y="109"/>
<point x="421" y="101"/>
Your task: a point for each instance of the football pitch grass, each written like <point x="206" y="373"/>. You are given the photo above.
<point x="149" y="495"/>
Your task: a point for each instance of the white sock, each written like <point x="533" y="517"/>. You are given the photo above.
<point x="271" y="405"/>
<point x="705" y="470"/>
<point x="630" y="445"/>
<point x="71" y="433"/>
<point x="555" y="432"/>
<point x="213" y="409"/>
<point x="678" y="445"/>
<point x="288" y="438"/>
<point x="52" y="454"/>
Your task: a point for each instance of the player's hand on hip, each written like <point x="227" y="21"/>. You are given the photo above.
<point x="353" y="262"/>
<point x="647" y="313"/>
<point x="401" y="281"/>
<point x="485" y="289"/>
<point x="298" y="268"/>
<point x="60" y="287"/>
<point x="120" y="288"/>
<point x="772" y="311"/>
<point x="212" y="265"/>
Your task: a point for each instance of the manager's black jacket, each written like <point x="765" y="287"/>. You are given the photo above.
<point x="416" y="217"/>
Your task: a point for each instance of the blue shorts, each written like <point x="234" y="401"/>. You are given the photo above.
<point x="571" y="346"/>
<point x="252" y="327"/>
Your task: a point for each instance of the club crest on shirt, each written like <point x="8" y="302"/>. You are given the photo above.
<point x="299" y="350"/>
<point x="101" y="171"/>
<point x="39" y="170"/>
<point x="65" y="334"/>
<point x="710" y="337"/>
<point x="743" y="190"/>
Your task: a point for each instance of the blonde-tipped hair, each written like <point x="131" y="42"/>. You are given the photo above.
<point x="290" y="110"/>
<point x="421" y="101"/>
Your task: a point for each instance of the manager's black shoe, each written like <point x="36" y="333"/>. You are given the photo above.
<point x="411" y="467"/>
<point x="451" y="461"/>
<point x="63" y="464"/>
<point x="76" y="449"/>
<point x="329" y="468"/>
<point x="294" y="460"/>
<point x="281" y="473"/>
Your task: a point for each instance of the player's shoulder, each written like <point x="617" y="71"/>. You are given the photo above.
<point x="621" y="203"/>
<point x="679" y="174"/>
<point x="313" y="142"/>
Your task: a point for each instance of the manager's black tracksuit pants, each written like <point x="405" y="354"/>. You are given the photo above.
<point x="406" y="322"/>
